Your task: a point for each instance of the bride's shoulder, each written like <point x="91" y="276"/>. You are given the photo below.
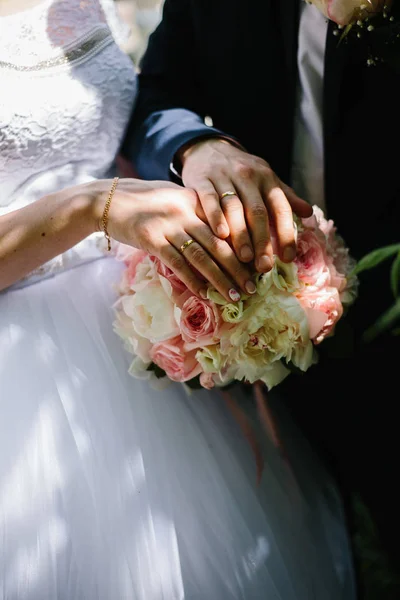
<point x="78" y="17"/>
<point x="38" y="31"/>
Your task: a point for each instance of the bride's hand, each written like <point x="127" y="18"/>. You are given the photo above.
<point x="159" y="217"/>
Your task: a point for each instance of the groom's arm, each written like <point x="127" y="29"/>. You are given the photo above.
<point x="170" y="109"/>
<point x="170" y="114"/>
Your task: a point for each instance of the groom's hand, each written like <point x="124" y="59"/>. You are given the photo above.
<point x="256" y="199"/>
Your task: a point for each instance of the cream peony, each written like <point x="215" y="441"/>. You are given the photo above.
<point x="283" y="276"/>
<point x="273" y="328"/>
<point x="274" y="374"/>
<point x="152" y="311"/>
<point x="133" y="342"/>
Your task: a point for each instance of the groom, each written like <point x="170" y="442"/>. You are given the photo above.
<point x="289" y="105"/>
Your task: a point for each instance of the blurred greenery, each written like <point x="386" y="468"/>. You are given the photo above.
<point x="378" y="578"/>
<point x="389" y="320"/>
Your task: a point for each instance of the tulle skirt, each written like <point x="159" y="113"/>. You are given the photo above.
<point x="111" y="490"/>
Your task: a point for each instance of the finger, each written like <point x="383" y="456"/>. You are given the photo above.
<point x="257" y="219"/>
<point x="223" y="255"/>
<point x="210" y="203"/>
<point x="201" y="214"/>
<point x="204" y="264"/>
<point x="299" y="206"/>
<point x="173" y="259"/>
<point x="233" y="210"/>
<point x="281" y="212"/>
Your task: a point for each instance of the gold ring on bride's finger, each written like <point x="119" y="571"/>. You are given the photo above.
<point x="229" y="193"/>
<point x="185" y="245"/>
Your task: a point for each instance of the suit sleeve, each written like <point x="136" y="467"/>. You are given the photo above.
<point x="170" y="109"/>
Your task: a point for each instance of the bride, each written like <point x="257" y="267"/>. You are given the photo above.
<point x="110" y="490"/>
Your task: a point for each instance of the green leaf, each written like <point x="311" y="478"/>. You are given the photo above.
<point x="374" y="258"/>
<point x="158" y="371"/>
<point x="395" y="276"/>
<point x="345" y="32"/>
<point x="385" y="322"/>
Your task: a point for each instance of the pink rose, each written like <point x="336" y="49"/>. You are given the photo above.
<point x="344" y="12"/>
<point x="315" y="304"/>
<point x="177" y="285"/>
<point x="337" y="255"/>
<point x="342" y="263"/>
<point x="207" y="381"/>
<point x="311" y="259"/>
<point x="171" y="356"/>
<point x="319" y="221"/>
<point x="338" y="279"/>
<point x="199" y="322"/>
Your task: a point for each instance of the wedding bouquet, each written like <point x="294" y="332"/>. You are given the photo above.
<point x="213" y="342"/>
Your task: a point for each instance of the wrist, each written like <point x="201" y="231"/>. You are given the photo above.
<point x="92" y="203"/>
<point x="187" y="149"/>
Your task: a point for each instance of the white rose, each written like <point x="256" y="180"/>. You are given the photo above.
<point x="232" y="313"/>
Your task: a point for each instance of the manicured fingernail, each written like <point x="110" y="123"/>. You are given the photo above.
<point x="250" y="287"/>
<point x="234" y="295"/>
<point x="264" y="263"/>
<point x="289" y="253"/>
<point x="222" y="231"/>
<point x="203" y="294"/>
<point x="246" y="253"/>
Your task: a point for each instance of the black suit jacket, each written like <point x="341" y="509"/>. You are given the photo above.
<point x="235" y="61"/>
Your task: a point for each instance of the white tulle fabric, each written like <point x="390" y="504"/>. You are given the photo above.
<point x="110" y="490"/>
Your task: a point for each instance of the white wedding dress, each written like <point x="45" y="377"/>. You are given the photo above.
<point x="110" y="490"/>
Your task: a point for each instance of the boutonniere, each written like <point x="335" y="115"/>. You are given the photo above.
<point x="376" y="22"/>
<point x="349" y="12"/>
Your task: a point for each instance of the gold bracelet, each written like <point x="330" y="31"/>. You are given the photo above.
<point x="106" y="211"/>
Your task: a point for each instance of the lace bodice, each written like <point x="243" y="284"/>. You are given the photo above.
<point x="67" y="92"/>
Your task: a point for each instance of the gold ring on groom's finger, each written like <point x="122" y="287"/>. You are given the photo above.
<point x="185" y="245"/>
<point x="229" y="193"/>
